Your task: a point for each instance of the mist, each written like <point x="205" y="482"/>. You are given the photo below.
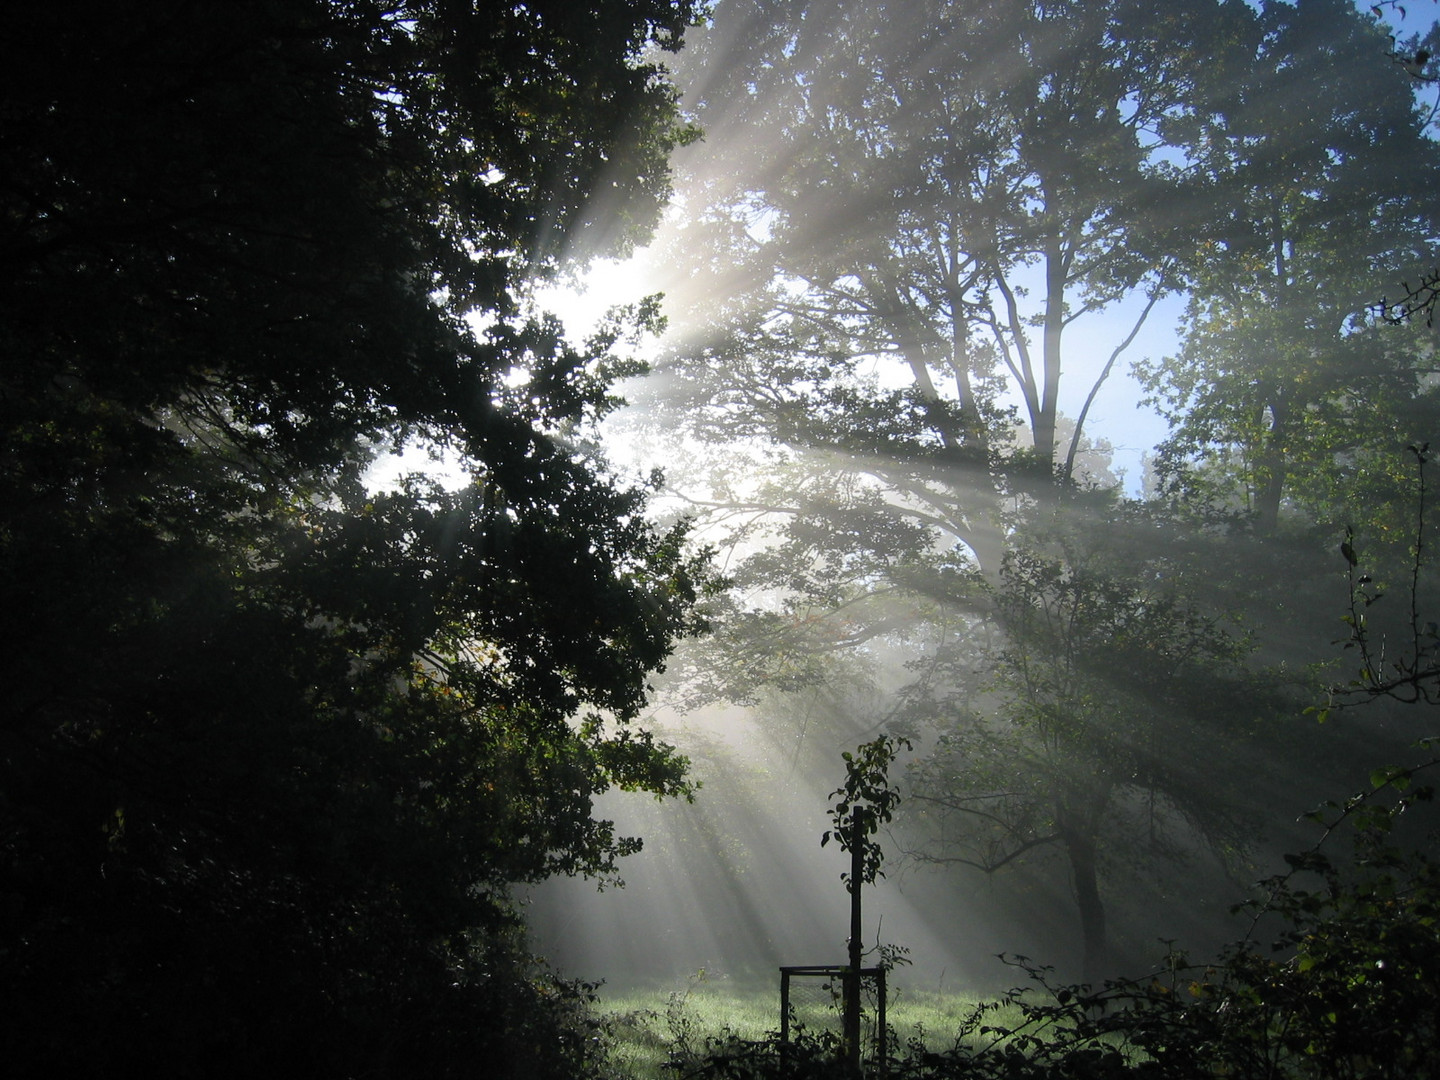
<point x="1025" y="417"/>
<point x="989" y="477"/>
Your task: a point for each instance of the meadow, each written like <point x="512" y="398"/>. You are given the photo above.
<point x="650" y="1025"/>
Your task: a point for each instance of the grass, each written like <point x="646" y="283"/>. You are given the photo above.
<point x="649" y="1024"/>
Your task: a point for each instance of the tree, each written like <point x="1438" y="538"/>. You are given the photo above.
<point x="887" y="297"/>
<point x="1090" y="727"/>
<point x="276" y="746"/>
<point x="860" y="285"/>
<point x="1319" y="177"/>
<point x="854" y="291"/>
<point x="862" y="804"/>
<point x="860" y="281"/>
<point x="917" y="249"/>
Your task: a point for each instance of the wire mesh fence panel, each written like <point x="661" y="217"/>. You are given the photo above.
<point x="812" y="1000"/>
<point x="816" y="1004"/>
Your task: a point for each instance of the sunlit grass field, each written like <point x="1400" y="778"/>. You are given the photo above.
<point x="648" y="1024"/>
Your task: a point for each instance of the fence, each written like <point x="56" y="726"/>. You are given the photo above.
<point x="811" y="997"/>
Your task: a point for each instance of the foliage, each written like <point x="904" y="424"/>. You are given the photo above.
<point x="945" y="191"/>
<point x="864" y="803"/>
<point x="954" y="195"/>
<point x="1409" y="672"/>
<point x="1313" y="196"/>
<point x="1345" y="991"/>
<point x="1417" y="56"/>
<point x="275" y="746"/>
<point x="1041" y="748"/>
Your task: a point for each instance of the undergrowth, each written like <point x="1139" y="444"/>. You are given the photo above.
<point x="1337" y="980"/>
<point x="662" y="1032"/>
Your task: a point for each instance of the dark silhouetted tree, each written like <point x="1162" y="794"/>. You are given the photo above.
<point x="275" y="747"/>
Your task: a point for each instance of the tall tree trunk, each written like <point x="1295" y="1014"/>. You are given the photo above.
<point x="1054" y="326"/>
<point x="1080" y="847"/>
<point x="1270" y="471"/>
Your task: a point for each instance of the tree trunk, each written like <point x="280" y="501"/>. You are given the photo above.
<point x="1270" y="481"/>
<point x="1271" y="470"/>
<point x="1054" y="326"/>
<point x="1094" y="947"/>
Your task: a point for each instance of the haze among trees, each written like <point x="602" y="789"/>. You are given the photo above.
<point x="280" y="744"/>
<point x="955" y="211"/>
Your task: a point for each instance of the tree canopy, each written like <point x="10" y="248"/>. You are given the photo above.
<point x="901" y="256"/>
<point x="1317" y="181"/>
<point x="275" y="745"/>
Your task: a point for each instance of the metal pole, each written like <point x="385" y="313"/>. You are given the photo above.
<point x="784" y="1017"/>
<point x="882" y="1051"/>
<point x="852" y="976"/>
